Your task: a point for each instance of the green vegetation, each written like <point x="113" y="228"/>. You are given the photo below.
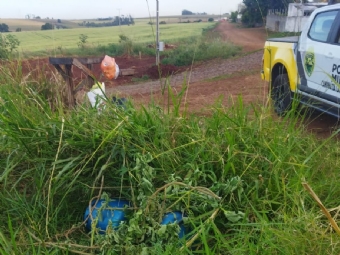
<point x="82" y="41"/>
<point x="47" y="26"/>
<point x="3" y="28"/>
<point x="236" y="173"/>
<point x="117" y="21"/>
<point x="256" y="10"/>
<point x="35" y="24"/>
<point x="192" y="49"/>
<point x="198" y="49"/>
<point x="8" y="44"/>
<point x="45" y="43"/>
<point x="233" y="16"/>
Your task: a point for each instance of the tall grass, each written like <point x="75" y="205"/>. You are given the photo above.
<point x="236" y="174"/>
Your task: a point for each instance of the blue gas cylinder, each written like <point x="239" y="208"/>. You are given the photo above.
<point x="107" y="213"/>
<point x="175" y="217"/>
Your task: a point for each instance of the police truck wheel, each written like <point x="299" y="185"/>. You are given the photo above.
<point x="281" y="95"/>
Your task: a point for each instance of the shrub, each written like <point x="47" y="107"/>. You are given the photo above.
<point x="4" y="28"/>
<point x="8" y="43"/>
<point x="47" y="26"/>
<point x="196" y="49"/>
<point x="126" y="42"/>
<point x="82" y="41"/>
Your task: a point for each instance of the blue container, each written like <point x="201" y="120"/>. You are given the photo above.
<point x="107" y="215"/>
<point x="175" y="217"/>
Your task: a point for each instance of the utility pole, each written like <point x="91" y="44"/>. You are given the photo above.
<point x="157" y="33"/>
<point x="119" y="16"/>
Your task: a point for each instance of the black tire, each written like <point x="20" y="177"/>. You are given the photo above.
<point x="281" y="94"/>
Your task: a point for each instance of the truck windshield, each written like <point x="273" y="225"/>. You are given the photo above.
<point x="321" y="26"/>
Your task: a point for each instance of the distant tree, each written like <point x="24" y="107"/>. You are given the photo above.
<point x="47" y="26"/>
<point x="211" y="19"/>
<point x="59" y="21"/>
<point x="117" y="21"/>
<point x="255" y="11"/>
<point x="162" y="22"/>
<point x="37" y="17"/>
<point x="233" y="16"/>
<point x="4" y="28"/>
<point x="18" y="29"/>
<point x="186" y="12"/>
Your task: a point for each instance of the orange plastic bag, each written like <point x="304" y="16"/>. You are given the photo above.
<point x="109" y="68"/>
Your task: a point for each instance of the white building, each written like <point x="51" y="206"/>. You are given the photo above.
<point x="291" y="20"/>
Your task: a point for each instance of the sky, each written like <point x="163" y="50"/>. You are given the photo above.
<point x="88" y="9"/>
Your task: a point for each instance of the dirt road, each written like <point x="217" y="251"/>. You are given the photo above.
<point x="215" y="79"/>
<point x="224" y="80"/>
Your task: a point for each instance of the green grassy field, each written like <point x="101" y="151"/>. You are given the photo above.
<point x="47" y="42"/>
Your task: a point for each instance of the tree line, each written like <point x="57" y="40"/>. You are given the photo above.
<point x="117" y="21"/>
<point x="187" y="12"/>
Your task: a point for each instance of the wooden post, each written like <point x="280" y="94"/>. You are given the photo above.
<point x="90" y="80"/>
<point x="69" y="87"/>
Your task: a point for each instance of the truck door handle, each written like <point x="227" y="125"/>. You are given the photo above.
<point x="329" y="55"/>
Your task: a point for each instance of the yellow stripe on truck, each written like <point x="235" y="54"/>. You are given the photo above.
<point x="280" y="53"/>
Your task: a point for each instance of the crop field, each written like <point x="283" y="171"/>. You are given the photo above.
<point x="35" y="24"/>
<point x="24" y="24"/>
<point x="47" y="42"/>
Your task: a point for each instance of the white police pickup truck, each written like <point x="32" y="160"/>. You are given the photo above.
<point x="306" y="68"/>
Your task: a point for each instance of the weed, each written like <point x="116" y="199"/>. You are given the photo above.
<point x="8" y="44"/>
<point x="127" y="44"/>
<point x="82" y="41"/>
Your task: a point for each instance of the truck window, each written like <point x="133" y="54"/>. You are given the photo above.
<point x="321" y="26"/>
